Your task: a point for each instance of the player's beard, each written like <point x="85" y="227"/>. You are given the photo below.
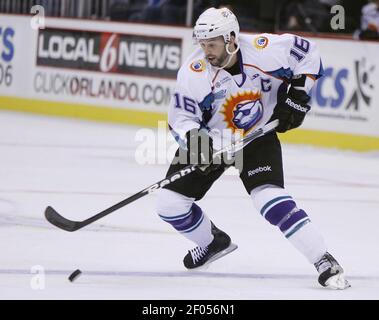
<point x="218" y="62"/>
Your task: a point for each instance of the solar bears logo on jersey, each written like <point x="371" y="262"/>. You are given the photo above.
<point x="198" y="66"/>
<point x="261" y="42"/>
<point x="243" y="111"/>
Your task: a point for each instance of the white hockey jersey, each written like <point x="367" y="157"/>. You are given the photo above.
<point x="241" y="103"/>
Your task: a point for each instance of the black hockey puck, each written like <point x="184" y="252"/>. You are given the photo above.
<point x="73" y="276"/>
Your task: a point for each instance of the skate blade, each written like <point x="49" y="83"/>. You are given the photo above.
<point x="337" y="282"/>
<point x="217" y="256"/>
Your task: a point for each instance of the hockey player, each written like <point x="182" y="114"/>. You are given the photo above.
<point x="237" y="83"/>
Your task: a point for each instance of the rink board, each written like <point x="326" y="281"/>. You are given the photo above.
<point x="82" y="111"/>
<point x="126" y="73"/>
<point x="149" y="119"/>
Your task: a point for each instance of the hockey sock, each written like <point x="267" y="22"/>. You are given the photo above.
<point x="309" y="242"/>
<point x="194" y="225"/>
<point x="278" y="208"/>
<point x="185" y="216"/>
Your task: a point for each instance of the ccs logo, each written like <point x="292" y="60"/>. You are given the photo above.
<point x="332" y="90"/>
<point x="6" y="44"/>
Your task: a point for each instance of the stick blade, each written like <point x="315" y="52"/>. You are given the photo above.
<point x="57" y="220"/>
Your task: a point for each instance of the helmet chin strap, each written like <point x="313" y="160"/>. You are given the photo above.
<point x="231" y="54"/>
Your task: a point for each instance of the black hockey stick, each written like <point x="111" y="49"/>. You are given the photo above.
<point x="69" y="225"/>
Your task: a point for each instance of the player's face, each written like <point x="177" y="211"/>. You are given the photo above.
<point x="214" y="50"/>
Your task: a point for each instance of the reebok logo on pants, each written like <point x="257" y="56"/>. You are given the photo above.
<point x="259" y="170"/>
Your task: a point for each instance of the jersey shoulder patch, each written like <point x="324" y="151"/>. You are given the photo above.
<point x="265" y="51"/>
<point x="198" y="65"/>
<point x="260" y="42"/>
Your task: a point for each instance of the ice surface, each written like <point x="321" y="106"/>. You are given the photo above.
<point x="81" y="168"/>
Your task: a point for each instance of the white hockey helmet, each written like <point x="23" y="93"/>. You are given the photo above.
<point x="214" y="23"/>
